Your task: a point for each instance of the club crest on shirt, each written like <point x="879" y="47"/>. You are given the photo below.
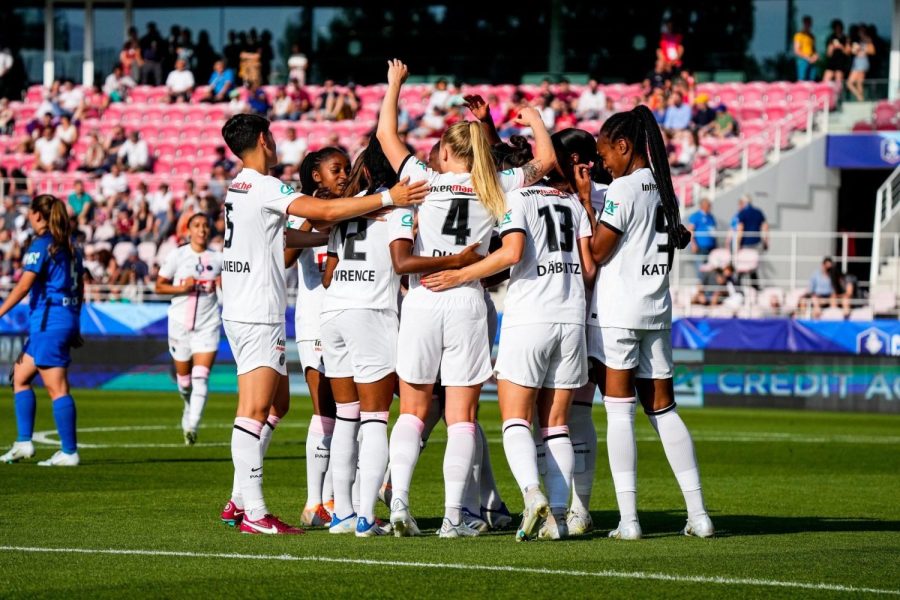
<point x="287" y="189"/>
<point x="507" y="218"/>
<point x="406" y="220"/>
<point x="610" y="207"/>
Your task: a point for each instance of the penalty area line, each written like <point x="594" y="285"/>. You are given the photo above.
<point x="638" y="575"/>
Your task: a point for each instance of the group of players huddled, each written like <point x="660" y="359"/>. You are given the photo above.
<point x="393" y="256"/>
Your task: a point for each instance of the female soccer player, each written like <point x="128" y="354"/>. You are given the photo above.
<point x="323" y="174"/>
<point x="53" y="279"/>
<point x="191" y="274"/>
<point x="253" y="286"/>
<point x="631" y="312"/>
<point x="446" y="332"/>
<point x="542" y="356"/>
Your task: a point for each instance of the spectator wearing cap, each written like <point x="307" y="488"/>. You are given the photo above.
<point x="703" y="113"/>
<point x="724" y="125"/>
<point x="180" y="82"/>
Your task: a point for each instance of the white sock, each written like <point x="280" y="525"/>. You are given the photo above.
<point x="489" y="494"/>
<point x="521" y="454"/>
<point x="472" y="494"/>
<point x="622" y="449"/>
<point x="236" y="497"/>
<point x="458" y="459"/>
<point x="584" y="445"/>
<point x="248" y="465"/>
<point x="560" y="462"/>
<point x="184" y="390"/>
<point x="679" y="447"/>
<point x="318" y="453"/>
<point x="406" y="436"/>
<point x="265" y="436"/>
<point x="539" y="444"/>
<point x="199" y="387"/>
<point x="354" y="489"/>
<point x="343" y="457"/>
<point x="327" y="487"/>
<point x="373" y="460"/>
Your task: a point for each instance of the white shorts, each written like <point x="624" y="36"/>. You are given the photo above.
<point x="444" y="332"/>
<point x="311" y="355"/>
<point x="183" y="343"/>
<point x="360" y="343"/>
<point x="650" y="350"/>
<point x="543" y="355"/>
<point x="257" y="345"/>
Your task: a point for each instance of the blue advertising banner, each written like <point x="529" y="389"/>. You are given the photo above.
<point x="879" y="150"/>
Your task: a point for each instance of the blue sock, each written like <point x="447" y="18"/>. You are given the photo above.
<point x="25" y="406"/>
<point x="64" y="415"/>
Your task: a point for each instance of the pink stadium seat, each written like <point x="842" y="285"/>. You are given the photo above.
<point x="863" y="126"/>
<point x="122" y="251"/>
<point x="792" y="299"/>
<point x="147" y="252"/>
<point x="718" y="258"/>
<point x="832" y="313"/>
<point x="752" y="94"/>
<point x="752" y="128"/>
<point x="746" y="260"/>
<point x="750" y="112"/>
<point x="775" y="113"/>
<point x="883" y="301"/>
<point x="863" y="313"/>
<point x="727" y="96"/>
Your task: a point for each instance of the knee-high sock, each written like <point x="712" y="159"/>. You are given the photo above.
<point x="622" y="449"/>
<point x="560" y="462"/>
<point x="584" y="444"/>
<point x="199" y="387"/>
<point x="679" y="447"/>
<point x="488" y="492"/>
<point x="265" y="436"/>
<point x="247" y="458"/>
<point x="184" y="390"/>
<point x="318" y="453"/>
<point x="406" y="438"/>
<point x="458" y="459"/>
<point x="343" y="457"/>
<point x="373" y="459"/>
<point x="539" y="443"/>
<point x="26" y="405"/>
<point x="518" y="443"/>
<point x="64" y="415"/>
<point x="328" y="487"/>
<point x="354" y="489"/>
<point x="472" y="495"/>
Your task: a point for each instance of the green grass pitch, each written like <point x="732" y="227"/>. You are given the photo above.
<point x="806" y="505"/>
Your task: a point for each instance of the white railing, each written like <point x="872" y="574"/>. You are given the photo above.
<point x="887" y="217"/>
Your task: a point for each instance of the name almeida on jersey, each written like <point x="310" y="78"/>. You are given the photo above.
<point x="554" y="268"/>
<point x="235" y="266"/>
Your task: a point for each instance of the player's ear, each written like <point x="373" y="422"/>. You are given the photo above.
<point x="623" y="146"/>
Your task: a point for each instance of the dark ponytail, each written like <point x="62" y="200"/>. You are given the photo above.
<point x="371" y="171"/>
<point x="53" y="210"/>
<point x="568" y="142"/>
<point x="517" y="153"/>
<point x="639" y="127"/>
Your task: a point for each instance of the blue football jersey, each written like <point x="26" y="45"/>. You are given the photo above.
<point x="55" y="301"/>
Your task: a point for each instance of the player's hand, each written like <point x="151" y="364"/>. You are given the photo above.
<point x="583" y="183"/>
<point x="445" y="280"/>
<point x="397" y="72"/>
<point x="528" y="116"/>
<point x="406" y="194"/>
<point x="188" y="284"/>
<point x="478" y="106"/>
<point x="468" y="256"/>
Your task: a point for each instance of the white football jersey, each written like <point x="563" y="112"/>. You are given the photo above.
<point x="310" y="291"/>
<point x="365" y="276"/>
<point x="451" y="217"/>
<point x="632" y="290"/>
<point x="546" y="285"/>
<point x="253" y="283"/>
<point x="198" y="310"/>
<point x="598" y="201"/>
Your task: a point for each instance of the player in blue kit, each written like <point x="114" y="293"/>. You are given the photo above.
<point x="53" y="278"/>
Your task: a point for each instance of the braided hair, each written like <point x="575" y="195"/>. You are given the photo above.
<point x="639" y="127"/>
<point x="516" y="153"/>
<point x="311" y="163"/>
<point x="371" y="171"/>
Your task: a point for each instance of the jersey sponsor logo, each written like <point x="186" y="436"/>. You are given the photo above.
<point x="420" y="164"/>
<point x="655" y="269"/>
<point x="453" y="189"/>
<point x="558" y="267"/>
<point x="32" y="258"/>
<point x="355" y="275"/>
<point x="506" y="172"/>
<point x="552" y="192"/>
<point x="507" y="218"/>
<point x="235" y="266"/>
<point x="406" y="220"/>
<point x="649" y="187"/>
<point x="287" y="189"/>
<point x="609" y="207"/>
<point x="240" y="187"/>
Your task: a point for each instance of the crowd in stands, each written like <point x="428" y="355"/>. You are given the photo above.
<point x="846" y="56"/>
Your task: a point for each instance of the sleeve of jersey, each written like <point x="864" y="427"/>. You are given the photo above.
<point x="598" y="200"/>
<point x="293" y="222"/>
<point x="400" y="224"/>
<point x="617" y="208"/>
<point x="167" y="270"/>
<point x="512" y="179"/>
<point x="36" y="256"/>
<point x="415" y="169"/>
<point x="513" y="220"/>
<point x="277" y="196"/>
<point x="584" y="224"/>
<point x="333" y="243"/>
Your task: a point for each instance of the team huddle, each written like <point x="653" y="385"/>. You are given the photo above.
<point x="394" y="257"/>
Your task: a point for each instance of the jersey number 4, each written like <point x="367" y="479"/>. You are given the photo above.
<point x="566" y="228"/>
<point x="456" y="225"/>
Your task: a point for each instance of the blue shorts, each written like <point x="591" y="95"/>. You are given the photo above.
<point x="50" y="348"/>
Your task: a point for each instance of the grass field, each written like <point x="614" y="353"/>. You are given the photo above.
<point x="806" y="505"/>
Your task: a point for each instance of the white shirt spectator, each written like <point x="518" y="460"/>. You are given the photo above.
<point x="159" y="202"/>
<point x="49" y="151"/>
<point x="70" y="99"/>
<point x="136" y="154"/>
<point x="117" y="84"/>
<point x="297" y="64"/>
<point x="548" y="116"/>
<point x="6" y="61"/>
<point x="590" y="104"/>
<point x="291" y="152"/>
<point x="179" y="82"/>
<point x="111" y="184"/>
<point x="438" y="101"/>
<point x="67" y="135"/>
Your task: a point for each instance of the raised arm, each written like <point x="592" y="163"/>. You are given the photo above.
<point x="405" y="262"/>
<point x="544" y="155"/>
<point x="482" y="112"/>
<point x="394" y="148"/>
<point x="506" y="256"/>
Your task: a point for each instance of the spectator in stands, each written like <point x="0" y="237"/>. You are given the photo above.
<point x="837" y="51"/>
<point x="250" y="61"/>
<point x="232" y="50"/>
<point x="130" y="59"/>
<point x="7" y="117"/>
<point x="347" y="105"/>
<point x="845" y="288"/>
<point x="218" y="183"/>
<point x="161" y="206"/>
<point x="204" y="56"/>
<point x="49" y="152"/>
<point x="565" y="116"/>
<point x="222" y="161"/>
<point x="701" y="224"/>
<point x="724" y="126"/>
<point x="861" y="49"/>
<point x="7" y="61"/>
<point x="752" y="227"/>
<point x="678" y="114"/>
<point x="70" y="98"/>
<point x="80" y="203"/>
<point x="805" y="51"/>
<point x="180" y="82"/>
<point x="257" y="100"/>
<point x="565" y="93"/>
<point x="821" y="290"/>
<point x="659" y="78"/>
<point x="703" y="113"/>
<point x="541" y="103"/>
<point x="116" y="139"/>
<point x="657" y="104"/>
<point x="113" y="183"/>
<point x="282" y="107"/>
<point x="292" y="150"/>
<point x="716" y="286"/>
<point x="221" y="82"/>
<point x="144" y="226"/>
<point x="591" y="103"/>
<point x="151" y="53"/>
<point x="66" y="132"/>
<point x="297" y="64"/>
<point x="117" y="85"/>
<point x="134" y="271"/>
<point x="134" y="155"/>
<point x="266" y="55"/>
<point x="184" y="50"/>
<point x="94" y="155"/>
<point x="670" y="48"/>
<point x="688" y="148"/>
<point x="301" y="99"/>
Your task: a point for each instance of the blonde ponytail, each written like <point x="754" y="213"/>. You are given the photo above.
<point x="54" y="212"/>
<point x="467" y="142"/>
